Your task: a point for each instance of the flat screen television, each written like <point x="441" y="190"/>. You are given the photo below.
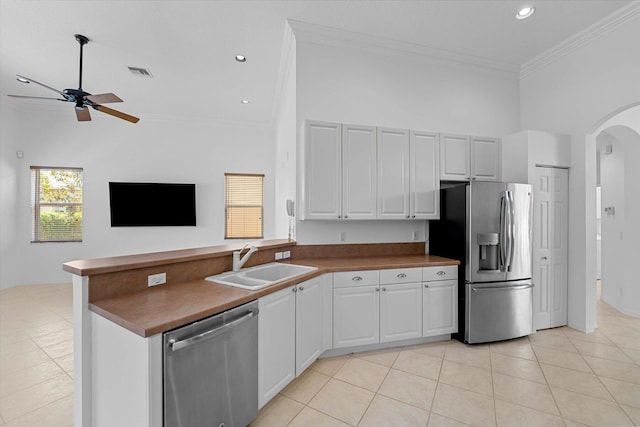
<point x="146" y="204"/>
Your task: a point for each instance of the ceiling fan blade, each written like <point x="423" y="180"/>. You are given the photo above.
<point x="65" y="96"/>
<point x="37" y="97"/>
<point x="83" y="114"/>
<point x="116" y="113"/>
<point x="103" y="98"/>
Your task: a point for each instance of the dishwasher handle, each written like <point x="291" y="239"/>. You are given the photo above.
<point x="177" y="345"/>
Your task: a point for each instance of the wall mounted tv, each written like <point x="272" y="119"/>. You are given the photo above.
<point x="146" y="204"/>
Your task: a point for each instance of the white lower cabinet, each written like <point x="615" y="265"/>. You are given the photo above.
<point x="356" y="314"/>
<point x="276" y="343"/>
<point x="400" y="312"/>
<point x="308" y="323"/>
<point x="440" y="301"/>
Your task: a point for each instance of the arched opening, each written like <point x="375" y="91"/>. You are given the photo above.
<point x="618" y="154"/>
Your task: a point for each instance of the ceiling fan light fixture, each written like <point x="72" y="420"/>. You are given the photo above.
<point x="241" y="58"/>
<point x="525" y="12"/>
<point x="22" y="80"/>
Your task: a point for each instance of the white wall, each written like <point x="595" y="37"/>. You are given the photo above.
<point x="113" y="150"/>
<point x="9" y="144"/>
<point x="571" y="94"/>
<point x="346" y="85"/>
<point x="522" y="151"/>
<point x="285" y="137"/>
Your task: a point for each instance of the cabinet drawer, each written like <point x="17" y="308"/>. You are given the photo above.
<point x="400" y="275"/>
<point x="430" y="274"/>
<point x="346" y="279"/>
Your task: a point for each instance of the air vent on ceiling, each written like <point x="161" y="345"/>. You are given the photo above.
<point x="140" y="72"/>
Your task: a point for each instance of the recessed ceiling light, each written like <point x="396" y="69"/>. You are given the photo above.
<point x="525" y="12"/>
<point x="245" y="101"/>
<point x="22" y="80"/>
<point x="241" y="58"/>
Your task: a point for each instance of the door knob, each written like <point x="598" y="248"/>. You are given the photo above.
<point x="544" y="258"/>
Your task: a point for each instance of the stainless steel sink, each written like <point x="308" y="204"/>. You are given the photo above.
<point x="261" y="276"/>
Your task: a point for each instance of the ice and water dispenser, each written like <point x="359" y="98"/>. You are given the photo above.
<point x="488" y="243"/>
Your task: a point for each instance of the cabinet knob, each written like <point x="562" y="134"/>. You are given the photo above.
<point x="301" y="288"/>
<point x="377" y="289"/>
<point x="339" y="216"/>
<point x="441" y="273"/>
<point x="408" y="217"/>
<point x="356" y="278"/>
<point x="294" y="289"/>
<point x="401" y="276"/>
<point x="426" y="286"/>
<point x="346" y="216"/>
<point x="384" y="289"/>
<point x="544" y="258"/>
<point x="413" y="216"/>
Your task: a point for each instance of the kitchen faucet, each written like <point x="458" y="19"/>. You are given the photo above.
<point x="237" y="262"/>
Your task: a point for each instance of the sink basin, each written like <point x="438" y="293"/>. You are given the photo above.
<point x="261" y="276"/>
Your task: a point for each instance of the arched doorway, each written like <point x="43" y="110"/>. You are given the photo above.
<point x="618" y="151"/>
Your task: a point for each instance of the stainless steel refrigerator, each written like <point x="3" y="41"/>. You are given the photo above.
<point x="487" y="226"/>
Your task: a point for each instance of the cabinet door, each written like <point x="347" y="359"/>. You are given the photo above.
<point x="322" y="170"/>
<point x="454" y="157"/>
<point x="393" y="173"/>
<point x="425" y="176"/>
<point x="308" y="323"/>
<point x="356" y="314"/>
<point x="276" y="343"/>
<point x="440" y="308"/>
<point x="485" y="159"/>
<point x="359" y="172"/>
<point x="400" y="312"/>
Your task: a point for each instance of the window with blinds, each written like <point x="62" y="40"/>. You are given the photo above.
<point x="56" y="204"/>
<point x="244" y="199"/>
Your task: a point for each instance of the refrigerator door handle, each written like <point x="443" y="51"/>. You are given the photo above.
<point x="511" y="233"/>
<point x="502" y="288"/>
<point x="503" y="231"/>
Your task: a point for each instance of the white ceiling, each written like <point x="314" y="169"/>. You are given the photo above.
<point x="189" y="46"/>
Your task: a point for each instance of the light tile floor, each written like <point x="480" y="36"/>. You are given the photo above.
<point x="555" y="377"/>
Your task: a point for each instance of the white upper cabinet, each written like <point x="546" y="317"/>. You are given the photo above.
<point x="485" y="155"/>
<point x="424" y="176"/>
<point x="464" y="158"/>
<point x="393" y="173"/>
<point x="455" y="157"/>
<point x="359" y="172"/>
<point x="322" y="170"/>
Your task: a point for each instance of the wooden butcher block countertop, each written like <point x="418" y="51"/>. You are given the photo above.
<point x="162" y="308"/>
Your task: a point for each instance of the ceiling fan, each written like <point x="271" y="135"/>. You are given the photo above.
<point x="82" y="100"/>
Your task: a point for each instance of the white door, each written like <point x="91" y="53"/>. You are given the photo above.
<point x="550" y="223"/>
<point x="308" y="323"/>
<point x="276" y="343"/>
<point x="356" y="314"/>
<point x="393" y="173"/>
<point x="485" y="159"/>
<point x="424" y="182"/>
<point x="454" y="157"/>
<point x="322" y="170"/>
<point x="359" y="172"/>
<point x="400" y="311"/>
<point x="440" y="308"/>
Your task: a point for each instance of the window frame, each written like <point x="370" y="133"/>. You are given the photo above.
<point x="227" y="205"/>
<point x="36" y="204"/>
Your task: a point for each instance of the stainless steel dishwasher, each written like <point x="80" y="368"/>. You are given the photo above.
<point x="211" y="370"/>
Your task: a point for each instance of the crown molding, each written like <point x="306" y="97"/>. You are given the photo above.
<point x="305" y="32"/>
<point x="582" y="38"/>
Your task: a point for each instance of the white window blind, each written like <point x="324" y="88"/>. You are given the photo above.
<point x="244" y="199"/>
<point x="56" y="204"/>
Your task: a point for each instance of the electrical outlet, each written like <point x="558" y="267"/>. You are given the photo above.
<point x="286" y="254"/>
<point x="156" y="279"/>
<point x="343" y="236"/>
<point x="278" y="255"/>
<point x="414" y="235"/>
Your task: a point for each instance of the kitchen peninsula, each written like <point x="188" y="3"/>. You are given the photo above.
<point x="119" y="319"/>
